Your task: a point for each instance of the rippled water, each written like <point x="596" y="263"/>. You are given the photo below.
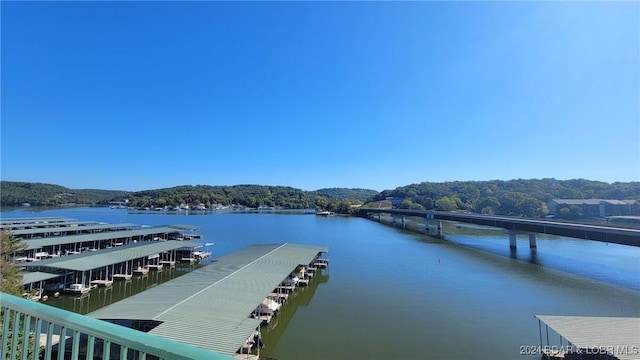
<point x="394" y="294"/>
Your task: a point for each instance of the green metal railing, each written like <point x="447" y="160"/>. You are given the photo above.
<point x="30" y="330"/>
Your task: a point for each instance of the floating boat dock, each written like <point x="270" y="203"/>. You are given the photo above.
<point x="211" y="307"/>
<point x="55" y="246"/>
<point x="102" y="267"/>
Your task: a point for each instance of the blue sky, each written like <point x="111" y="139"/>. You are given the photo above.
<point x="144" y="95"/>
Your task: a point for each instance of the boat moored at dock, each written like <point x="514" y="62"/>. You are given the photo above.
<point x="96" y="255"/>
<point x="77" y="289"/>
<point x="102" y="283"/>
<point x="141" y="270"/>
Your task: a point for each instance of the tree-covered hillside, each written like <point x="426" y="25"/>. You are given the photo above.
<point x="513" y="197"/>
<point x="13" y="193"/>
<point x="347" y="194"/>
<point x="246" y="195"/>
<point x="253" y="196"/>
<point x="337" y="199"/>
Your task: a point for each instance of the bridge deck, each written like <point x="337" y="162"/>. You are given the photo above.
<point x="612" y="233"/>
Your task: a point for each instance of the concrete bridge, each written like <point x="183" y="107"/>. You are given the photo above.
<point x="611" y="233"/>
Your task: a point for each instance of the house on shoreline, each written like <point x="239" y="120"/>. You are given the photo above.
<point x="596" y="207"/>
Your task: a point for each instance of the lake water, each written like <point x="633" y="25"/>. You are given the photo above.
<point x="393" y="294"/>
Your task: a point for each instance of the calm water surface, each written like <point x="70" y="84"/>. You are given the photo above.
<point x="393" y="294"/>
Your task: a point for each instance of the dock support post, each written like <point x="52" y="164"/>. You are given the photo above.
<point x="512" y="240"/>
<point x="393" y="218"/>
<point x="439" y="227"/>
<point x="404" y="221"/>
<point x="532" y="241"/>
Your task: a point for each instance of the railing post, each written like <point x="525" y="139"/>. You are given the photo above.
<point x="91" y="340"/>
<point x="36" y="345"/>
<point x="75" y="348"/>
<point x="62" y="342"/>
<point x="16" y="334"/>
<point x="5" y="331"/>
<point x="26" y="332"/>
<point x="106" y="349"/>
<point x="48" y="346"/>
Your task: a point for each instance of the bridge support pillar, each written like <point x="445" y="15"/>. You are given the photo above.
<point x="426" y="225"/>
<point x="439" y="227"/>
<point x="404" y="221"/>
<point x="393" y="219"/>
<point x="512" y="240"/>
<point x="532" y="241"/>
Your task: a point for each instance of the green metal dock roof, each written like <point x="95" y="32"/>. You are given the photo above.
<point x="34" y="220"/>
<point x="96" y="259"/>
<point x="74" y="239"/>
<point x="210" y="307"/>
<point x="21" y="223"/>
<point x="29" y="277"/>
<point x="80" y="226"/>
<point x="184" y="227"/>
<point x="618" y="336"/>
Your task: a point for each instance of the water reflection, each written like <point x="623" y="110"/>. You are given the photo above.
<point x="301" y="297"/>
<point x="620" y="265"/>
<point x="103" y="296"/>
<point x="396" y="293"/>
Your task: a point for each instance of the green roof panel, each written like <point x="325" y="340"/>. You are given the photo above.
<point x="96" y="259"/>
<point x="210" y="307"/>
<point x="112" y="235"/>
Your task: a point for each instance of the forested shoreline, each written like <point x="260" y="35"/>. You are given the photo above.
<point x="505" y="197"/>
<point x="513" y="197"/>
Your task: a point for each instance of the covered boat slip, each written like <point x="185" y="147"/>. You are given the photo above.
<point x="28" y="222"/>
<point x="591" y="337"/>
<point x="84" y="227"/>
<point x="103" y="264"/>
<point x="35" y="280"/>
<point x="210" y="307"/>
<point x="32" y="277"/>
<point x="93" y="260"/>
<point x="58" y="245"/>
